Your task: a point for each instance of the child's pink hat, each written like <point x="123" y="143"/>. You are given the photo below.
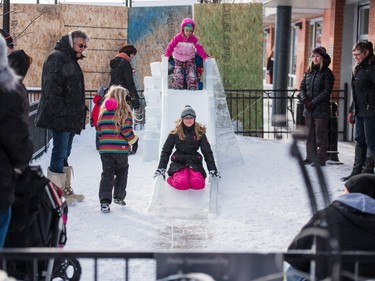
<point x="111" y="104"/>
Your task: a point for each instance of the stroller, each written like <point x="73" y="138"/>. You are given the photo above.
<point x="39" y="216"/>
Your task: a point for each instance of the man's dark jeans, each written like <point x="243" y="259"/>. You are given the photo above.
<point x="365" y="133"/>
<point x="62" y="146"/>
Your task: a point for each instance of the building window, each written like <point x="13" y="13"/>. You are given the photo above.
<point x="363" y="20"/>
<point x="315" y="36"/>
<point x="293" y="58"/>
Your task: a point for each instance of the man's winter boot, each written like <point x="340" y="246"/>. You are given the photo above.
<point x="68" y="190"/>
<point x="59" y="180"/>
<point x="359" y="160"/>
<point x="368" y="167"/>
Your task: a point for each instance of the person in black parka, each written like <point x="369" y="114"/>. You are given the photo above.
<point x="122" y="73"/>
<point x="16" y="147"/>
<point x="363" y="107"/>
<point x="186" y="169"/>
<point x="350" y="221"/>
<point x="62" y="106"/>
<point x="315" y="93"/>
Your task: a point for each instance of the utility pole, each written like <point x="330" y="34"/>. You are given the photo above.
<point x="6" y="12"/>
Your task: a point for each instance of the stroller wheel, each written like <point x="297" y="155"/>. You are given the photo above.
<point x="68" y="269"/>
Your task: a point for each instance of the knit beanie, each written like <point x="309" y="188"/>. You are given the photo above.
<point x="19" y="61"/>
<point x="111" y="104"/>
<point x="188" y="112"/>
<point x="8" y="38"/>
<point x="188" y="27"/>
<point x="321" y="51"/>
<point x="363" y="183"/>
<point x="128" y="49"/>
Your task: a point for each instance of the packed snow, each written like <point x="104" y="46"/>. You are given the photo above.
<point x="262" y="204"/>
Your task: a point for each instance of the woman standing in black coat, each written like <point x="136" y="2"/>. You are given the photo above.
<point x="122" y="73"/>
<point x="315" y="93"/>
<point x="186" y="170"/>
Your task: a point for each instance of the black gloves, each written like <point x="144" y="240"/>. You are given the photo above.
<point x="134" y="148"/>
<point x="308" y="104"/>
<point x="160" y="172"/>
<point x="215" y="174"/>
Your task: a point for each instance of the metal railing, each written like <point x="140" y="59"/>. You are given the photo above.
<point x="152" y="263"/>
<point x="251" y="112"/>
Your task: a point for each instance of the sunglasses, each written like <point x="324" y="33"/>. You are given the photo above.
<point x="81" y="46"/>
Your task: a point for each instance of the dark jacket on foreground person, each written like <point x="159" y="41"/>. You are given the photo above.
<point x="16" y="146"/>
<point x="62" y="105"/>
<point x="352" y="218"/>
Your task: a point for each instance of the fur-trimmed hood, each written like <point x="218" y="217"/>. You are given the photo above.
<point x="8" y="78"/>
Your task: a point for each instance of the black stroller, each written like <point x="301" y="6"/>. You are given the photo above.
<point x="39" y="216"/>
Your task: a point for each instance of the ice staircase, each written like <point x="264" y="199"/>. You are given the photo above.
<point x="164" y="107"/>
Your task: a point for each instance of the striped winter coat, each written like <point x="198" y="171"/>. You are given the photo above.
<point x="112" y="141"/>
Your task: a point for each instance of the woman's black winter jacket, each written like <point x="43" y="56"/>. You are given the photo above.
<point x="16" y="147"/>
<point x="186" y="154"/>
<point x="62" y="105"/>
<point x="316" y="86"/>
<point x="363" y="87"/>
<point x="122" y="75"/>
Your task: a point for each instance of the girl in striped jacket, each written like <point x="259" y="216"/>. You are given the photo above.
<point x="116" y="136"/>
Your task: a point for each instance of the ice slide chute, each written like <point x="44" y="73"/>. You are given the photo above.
<point x="164" y="107"/>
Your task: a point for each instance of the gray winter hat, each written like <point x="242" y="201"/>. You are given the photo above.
<point x="188" y="112"/>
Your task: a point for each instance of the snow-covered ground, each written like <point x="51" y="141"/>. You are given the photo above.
<point x="262" y="204"/>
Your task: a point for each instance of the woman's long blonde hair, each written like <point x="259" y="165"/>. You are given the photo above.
<point x="199" y="129"/>
<point x="123" y="109"/>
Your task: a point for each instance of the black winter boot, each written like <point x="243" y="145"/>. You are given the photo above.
<point x="359" y="160"/>
<point x="368" y="167"/>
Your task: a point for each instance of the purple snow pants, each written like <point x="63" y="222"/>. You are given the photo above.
<point x="191" y="75"/>
<point x="186" y="178"/>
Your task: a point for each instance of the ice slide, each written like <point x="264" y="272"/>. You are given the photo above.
<point x="164" y="107"/>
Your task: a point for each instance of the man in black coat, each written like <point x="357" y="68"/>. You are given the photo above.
<point x="62" y="106"/>
<point x="16" y="146"/>
<point x="122" y="73"/>
<point x="347" y="224"/>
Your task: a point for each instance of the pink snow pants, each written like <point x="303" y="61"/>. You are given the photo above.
<point x="186" y="178"/>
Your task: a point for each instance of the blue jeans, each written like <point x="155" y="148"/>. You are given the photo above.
<point x="4" y="223"/>
<point x="365" y="133"/>
<point x="62" y="146"/>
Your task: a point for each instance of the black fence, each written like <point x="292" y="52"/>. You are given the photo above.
<point x="173" y="266"/>
<point x="250" y="110"/>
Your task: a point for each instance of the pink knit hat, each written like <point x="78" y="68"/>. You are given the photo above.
<point x="111" y="104"/>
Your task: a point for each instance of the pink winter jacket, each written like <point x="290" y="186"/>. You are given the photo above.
<point x="184" y="49"/>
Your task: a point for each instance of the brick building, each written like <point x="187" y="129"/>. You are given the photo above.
<point x="334" y="24"/>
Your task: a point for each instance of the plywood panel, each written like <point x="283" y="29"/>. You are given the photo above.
<point x="37" y="28"/>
